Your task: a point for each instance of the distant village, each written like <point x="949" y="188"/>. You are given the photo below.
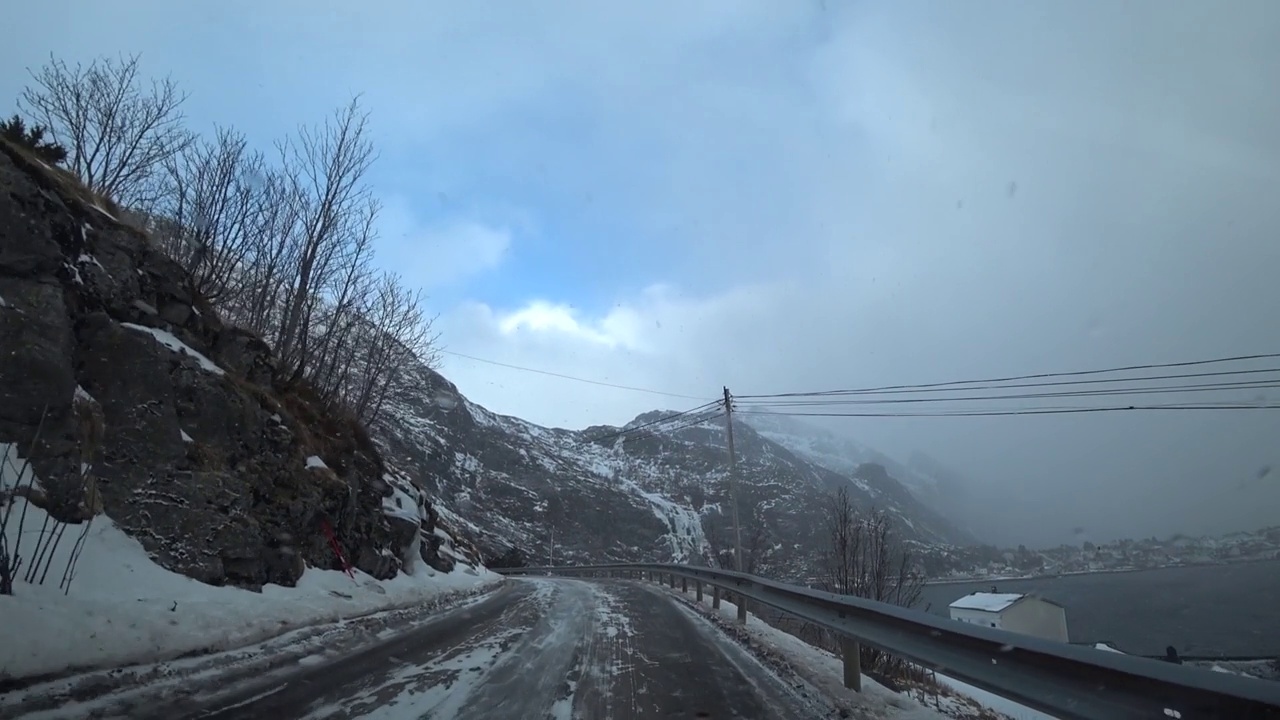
<point x="941" y="562"/>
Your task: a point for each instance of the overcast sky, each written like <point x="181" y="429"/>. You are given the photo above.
<point x="798" y="195"/>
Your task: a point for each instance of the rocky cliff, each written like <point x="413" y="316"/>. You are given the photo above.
<point x="137" y="400"/>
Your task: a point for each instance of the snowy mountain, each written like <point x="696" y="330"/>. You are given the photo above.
<point x="834" y="452"/>
<point x="578" y="496"/>
<point x="932" y="483"/>
<point x="928" y="481"/>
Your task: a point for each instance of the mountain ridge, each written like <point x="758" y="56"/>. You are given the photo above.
<point x="626" y="493"/>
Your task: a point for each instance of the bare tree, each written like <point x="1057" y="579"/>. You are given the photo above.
<point x="285" y="252"/>
<point x="865" y="559"/>
<point x="334" y="329"/>
<point x="718" y="532"/>
<point x="209" y="206"/>
<point x="117" y="132"/>
<point x="719" y="536"/>
<point x="399" y="333"/>
<point x="756" y="546"/>
<point x="327" y="166"/>
<point x="274" y="233"/>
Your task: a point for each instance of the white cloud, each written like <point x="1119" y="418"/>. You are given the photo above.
<point x="660" y="339"/>
<point x="541" y="317"/>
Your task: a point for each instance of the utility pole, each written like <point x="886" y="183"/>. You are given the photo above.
<point x="733" y="480"/>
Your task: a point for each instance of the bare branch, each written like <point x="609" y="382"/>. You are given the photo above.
<point x="117" y="134"/>
<point x="327" y="166"/>
<point x="864" y="558"/>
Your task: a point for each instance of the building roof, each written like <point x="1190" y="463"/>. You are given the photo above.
<point x="996" y="602"/>
<point x="988" y="602"/>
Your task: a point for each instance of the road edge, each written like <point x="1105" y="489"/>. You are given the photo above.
<point x="93" y="693"/>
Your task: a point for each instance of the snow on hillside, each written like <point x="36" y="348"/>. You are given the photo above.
<point x="837" y="453"/>
<point x="122" y="607"/>
<point x="657" y="494"/>
<point x="467" y="476"/>
<point x="559" y="450"/>
<point x="685" y="534"/>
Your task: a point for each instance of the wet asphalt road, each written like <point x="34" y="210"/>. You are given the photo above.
<point x="537" y="648"/>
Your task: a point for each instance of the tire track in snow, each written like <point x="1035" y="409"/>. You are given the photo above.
<point x="681" y="667"/>
<point x="355" y="684"/>
<point x="536" y="677"/>
<point x="605" y="662"/>
<point x="477" y="677"/>
<point x="543" y="649"/>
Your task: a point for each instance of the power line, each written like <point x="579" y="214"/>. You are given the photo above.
<point x="634" y="429"/>
<point x="693" y="423"/>
<point x="648" y="429"/>
<point x="1012" y="386"/>
<point x="1014" y="378"/>
<point x="570" y="377"/>
<point x="1272" y="383"/>
<point x="1025" y="411"/>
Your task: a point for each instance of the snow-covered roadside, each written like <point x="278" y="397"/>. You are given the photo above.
<point x="799" y="662"/>
<point x="824" y="671"/>
<point x="123" y="608"/>
<point x="120" y="692"/>
<point x="1005" y="707"/>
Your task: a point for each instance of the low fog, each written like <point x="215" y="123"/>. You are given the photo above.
<point x="806" y="196"/>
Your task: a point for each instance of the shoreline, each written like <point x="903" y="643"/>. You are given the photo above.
<point x="1077" y="573"/>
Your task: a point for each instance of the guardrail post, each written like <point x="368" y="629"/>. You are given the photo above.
<point x="671" y="580"/>
<point x="698" y="585"/>
<point x="852" y="653"/>
<point x="684" y="585"/>
<point x="742" y="608"/>
<point x="715" y="597"/>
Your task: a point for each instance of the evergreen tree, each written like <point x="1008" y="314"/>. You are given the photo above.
<point x="15" y="130"/>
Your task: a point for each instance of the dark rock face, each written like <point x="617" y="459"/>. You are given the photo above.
<point x="202" y="459"/>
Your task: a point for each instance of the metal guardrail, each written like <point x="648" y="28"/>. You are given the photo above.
<point x="1067" y="681"/>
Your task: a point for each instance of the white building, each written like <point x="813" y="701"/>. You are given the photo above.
<point x="1027" y="614"/>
